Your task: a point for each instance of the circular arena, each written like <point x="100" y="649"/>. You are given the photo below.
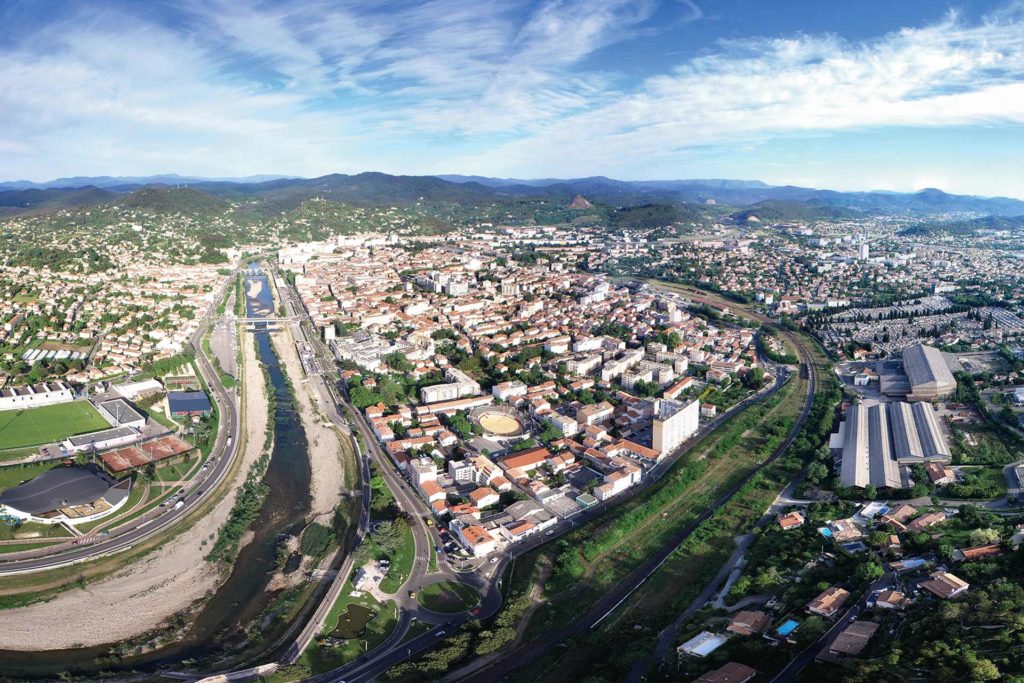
<point x="499" y="422"/>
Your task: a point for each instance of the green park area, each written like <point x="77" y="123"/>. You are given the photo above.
<point x="448" y="597"/>
<point x="356" y="623"/>
<point x="48" y="424"/>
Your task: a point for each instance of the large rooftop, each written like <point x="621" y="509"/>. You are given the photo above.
<point x="927" y="369"/>
<point x="57" y="488"/>
<point x="879" y="437"/>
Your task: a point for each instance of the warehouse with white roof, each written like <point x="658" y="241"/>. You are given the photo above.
<point x="879" y="438"/>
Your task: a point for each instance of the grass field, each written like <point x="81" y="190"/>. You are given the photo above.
<point x="47" y="424"/>
<point x="33" y="530"/>
<point x="320" y="657"/>
<point x="448" y="597"/>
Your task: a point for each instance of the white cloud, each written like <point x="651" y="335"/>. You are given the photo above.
<point x="941" y="75"/>
<point x="314" y="87"/>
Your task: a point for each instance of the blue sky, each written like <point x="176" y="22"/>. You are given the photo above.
<point x="899" y="95"/>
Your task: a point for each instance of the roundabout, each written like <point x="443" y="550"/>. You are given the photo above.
<point x="448" y="597"/>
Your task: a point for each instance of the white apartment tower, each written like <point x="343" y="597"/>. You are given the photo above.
<point x="674" y="423"/>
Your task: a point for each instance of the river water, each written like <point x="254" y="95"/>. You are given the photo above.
<point x="217" y="628"/>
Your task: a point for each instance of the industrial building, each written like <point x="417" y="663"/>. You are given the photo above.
<point x="878" y="438"/>
<point x="925" y="377"/>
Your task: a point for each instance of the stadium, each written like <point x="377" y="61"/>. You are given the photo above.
<point x="65" y="495"/>
<point x="499" y="422"/>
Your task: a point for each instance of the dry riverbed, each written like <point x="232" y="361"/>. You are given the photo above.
<point x="325" y="449"/>
<point x="140" y="597"/>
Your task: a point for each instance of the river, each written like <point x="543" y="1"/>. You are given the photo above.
<point x="217" y="630"/>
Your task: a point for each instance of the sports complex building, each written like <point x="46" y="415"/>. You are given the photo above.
<point x="35" y="395"/>
<point x="65" y="495"/>
<point x="167" y="450"/>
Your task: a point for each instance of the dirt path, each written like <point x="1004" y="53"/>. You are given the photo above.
<point x="325" y="448"/>
<point x="138" y="598"/>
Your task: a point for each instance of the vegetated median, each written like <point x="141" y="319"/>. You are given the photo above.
<point x="251" y="496"/>
<point x="688" y="570"/>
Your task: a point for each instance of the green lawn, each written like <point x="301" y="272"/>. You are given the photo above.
<point x="179" y="471"/>
<point x="32" y="530"/>
<point x="320" y="657"/>
<point x="401" y="564"/>
<point x="47" y="424"/>
<point x="448" y="597"/>
<point x="17" y="454"/>
<point x="162" y="418"/>
<point x="13" y="475"/>
<point x="21" y="547"/>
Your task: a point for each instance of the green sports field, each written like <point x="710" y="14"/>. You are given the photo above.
<point x="35" y="426"/>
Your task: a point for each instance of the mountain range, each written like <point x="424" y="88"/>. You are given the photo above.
<point x="276" y="193"/>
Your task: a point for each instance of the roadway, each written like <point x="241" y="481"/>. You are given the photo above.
<point x="798" y="663"/>
<point x="316" y="622"/>
<point x="333" y="393"/>
<point x="346" y="417"/>
<point x="728" y="573"/>
<point x="160" y="518"/>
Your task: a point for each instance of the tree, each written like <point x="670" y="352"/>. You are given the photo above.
<point x="754" y="379"/>
<point x="868" y="571"/>
<point x="389" y="535"/>
<point x="984" y="536"/>
<point x="817" y="472"/>
<point x="397" y="361"/>
<point x="982" y="669"/>
<point x="870" y="492"/>
<point x="363" y="398"/>
<point x="878" y="539"/>
<point x="767" y="579"/>
<point x="461" y="424"/>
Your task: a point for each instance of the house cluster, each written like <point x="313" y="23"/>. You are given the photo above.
<point x="604" y="373"/>
<point x="831" y="265"/>
<point x="109" y="325"/>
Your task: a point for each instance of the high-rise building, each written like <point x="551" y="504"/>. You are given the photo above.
<point x="674" y="423"/>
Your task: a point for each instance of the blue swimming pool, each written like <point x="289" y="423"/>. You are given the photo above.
<point x="788" y="627"/>
<point x="825" y="531"/>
